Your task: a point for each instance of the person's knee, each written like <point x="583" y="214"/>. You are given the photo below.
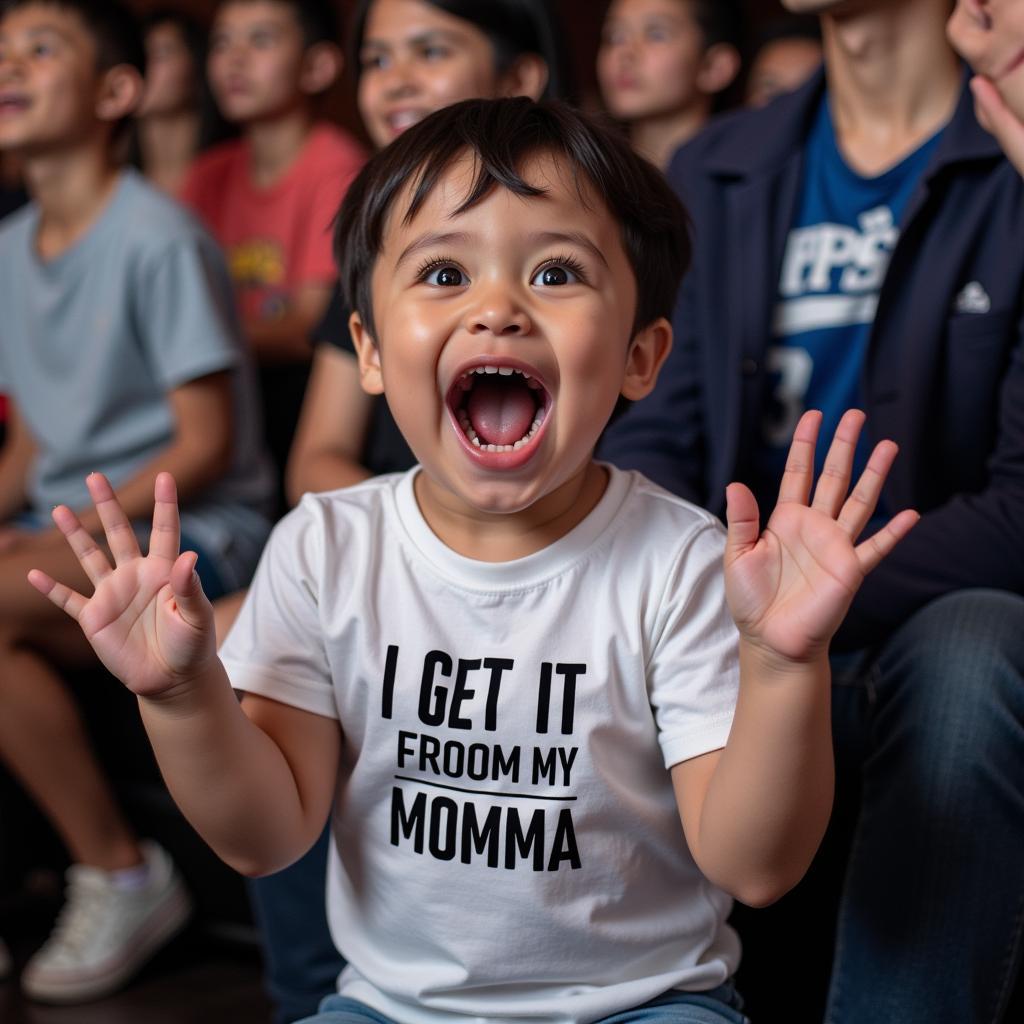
<point x="955" y="674"/>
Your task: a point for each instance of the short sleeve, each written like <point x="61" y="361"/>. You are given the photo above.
<point x="693" y="671"/>
<point x="185" y="309"/>
<point x="276" y="647"/>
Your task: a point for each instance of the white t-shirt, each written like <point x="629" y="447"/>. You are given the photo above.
<point x="506" y="843"/>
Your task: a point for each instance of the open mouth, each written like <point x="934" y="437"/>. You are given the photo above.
<point x="499" y="408"/>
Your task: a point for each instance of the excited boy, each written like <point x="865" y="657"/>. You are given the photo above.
<point x="511" y="672"/>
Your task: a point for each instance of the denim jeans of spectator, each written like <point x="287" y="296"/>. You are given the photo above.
<point x="931" y="726"/>
<point x="719" y="1006"/>
<point x="301" y="963"/>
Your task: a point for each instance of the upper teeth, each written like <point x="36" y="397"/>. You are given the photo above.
<point x="505" y="371"/>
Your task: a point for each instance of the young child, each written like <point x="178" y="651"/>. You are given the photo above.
<point x="119" y="350"/>
<point x="990" y="35"/>
<point x="269" y="196"/>
<point x="661" y="66"/>
<point x="511" y="673"/>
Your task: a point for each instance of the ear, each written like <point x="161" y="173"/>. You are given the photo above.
<point x="718" y="68"/>
<point x="647" y="353"/>
<point x="528" y="76"/>
<point x="321" y="68"/>
<point x="368" y="355"/>
<point x="119" y="93"/>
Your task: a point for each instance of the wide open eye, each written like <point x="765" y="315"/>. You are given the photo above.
<point x="445" y="276"/>
<point x="561" y="272"/>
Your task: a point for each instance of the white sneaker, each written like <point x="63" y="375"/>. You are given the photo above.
<point x="104" y="934"/>
<point x="5" y="961"/>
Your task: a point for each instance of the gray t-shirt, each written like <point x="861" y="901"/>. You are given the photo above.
<point x="93" y="342"/>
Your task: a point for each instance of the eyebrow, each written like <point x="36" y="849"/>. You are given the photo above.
<point x="442" y="238"/>
<point x="430" y="36"/>
<point x="572" y="238"/>
<point x="429" y="241"/>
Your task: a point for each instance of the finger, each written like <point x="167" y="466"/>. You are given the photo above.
<point x="91" y="558"/>
<point x="997" y="118"/>
<point x="744" y="521"/>
<point x="62" y="596"/>
<point x="834" y="481"/>
<point x="860" y="506"/>
<point x="799" y="471"/>
<point x="165" y="538"/>
<point x="875" y="548"/>
<point x="121" y="539"/>
<point x="187" y="588"/>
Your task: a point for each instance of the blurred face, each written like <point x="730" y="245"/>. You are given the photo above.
<point x="416" y="59"/>
<point x="781" y="66"/>
<point x="650" y="58"/>
<point x="170" y="73"/>
<point x="989" y="34"/>
<point x="503" y="336"/>
<point x="255" y="66"/>
<point x="48" y="79"/>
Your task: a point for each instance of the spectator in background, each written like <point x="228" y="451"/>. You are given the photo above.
<point x="661" y="66"/>
<point x="786" y="55"/>
<point x="270" y="196"/>
<point x="990" y="35"/>
<point x="119" y="352"/>
<point x="176" y="118"/>
<point x="858" y="242"/>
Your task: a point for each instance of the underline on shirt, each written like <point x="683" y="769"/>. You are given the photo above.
<point x="481" y="792"/>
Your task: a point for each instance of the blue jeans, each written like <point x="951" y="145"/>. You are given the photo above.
<point x="301" y="962"/>
<point x="719" y="1006"/>
<point x="931" y="728"/>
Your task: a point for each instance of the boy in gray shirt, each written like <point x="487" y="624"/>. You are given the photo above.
<point x="119" y="352"/>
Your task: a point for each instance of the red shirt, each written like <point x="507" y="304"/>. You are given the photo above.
<point x="276" y="239"/>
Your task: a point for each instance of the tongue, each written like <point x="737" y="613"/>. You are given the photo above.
<point x="501" y="413"/>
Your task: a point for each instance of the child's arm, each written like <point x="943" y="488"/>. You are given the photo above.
<point x="754" y="813"/>
<point x="257" y="788"/>
<point x="198" y="456"/>
<point x="332" y="428"/>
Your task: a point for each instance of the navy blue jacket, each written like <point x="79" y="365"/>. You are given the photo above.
<point x="946" y="384"/>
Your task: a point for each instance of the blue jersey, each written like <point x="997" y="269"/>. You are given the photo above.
<point x="836" y="258"/>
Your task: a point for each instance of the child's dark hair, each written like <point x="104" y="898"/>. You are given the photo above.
<point x="513" y="27"/>
<point x="317" y="18"/>
<point x="113" y="27"/>
<point x="501" y="135"/>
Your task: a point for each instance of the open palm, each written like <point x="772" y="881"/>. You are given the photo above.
<point x="790" y="587"/>
<point x="147" y="620"/>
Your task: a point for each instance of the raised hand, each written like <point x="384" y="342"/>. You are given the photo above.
<point x="148" y="619"/>
<point x="789" y="588"/>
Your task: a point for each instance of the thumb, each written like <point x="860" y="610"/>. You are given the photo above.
<point x="743" y="519"/>
<point x="995" y="116"/>
<point x="188" y="591"/>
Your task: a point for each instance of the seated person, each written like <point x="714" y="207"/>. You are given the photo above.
<point x="176" y="118"/>
<point x="512" y="676"/>
<point x="118" y="351"/>
<point x="269" y="196"/>
<point x="785" y="56"/>
<point x="990" y="35"/>
<point x="857" y="252"/>
<point x="662" y="66"/>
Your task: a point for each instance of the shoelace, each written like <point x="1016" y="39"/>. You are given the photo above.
<point x="76" y="921"/>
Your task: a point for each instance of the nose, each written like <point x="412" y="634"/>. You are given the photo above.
<point x="497" y="312"/>
<point x="399" y="81"/>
